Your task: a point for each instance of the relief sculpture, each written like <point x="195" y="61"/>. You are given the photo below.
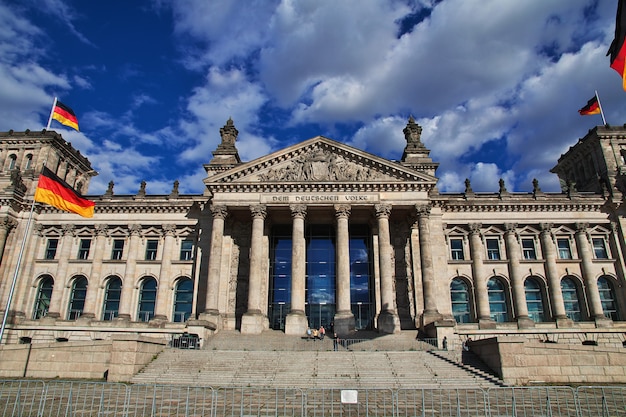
<point x="320" y="165"/>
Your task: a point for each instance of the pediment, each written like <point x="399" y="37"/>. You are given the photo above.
<point x="321" y="161"/>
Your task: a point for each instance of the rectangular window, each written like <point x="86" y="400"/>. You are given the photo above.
<point x="564" y="249"/>
<point x="528" y="248"/>
<point x="456" y="249"/>
<point x="118" y="249"/>
<point x="493" y="249"/>
<point x="83" y="249"/>
<point x="599" y="248"/>
<point x="51" y="248"/>
<point x="186" y="250"/>
<point x="151" y="249"/>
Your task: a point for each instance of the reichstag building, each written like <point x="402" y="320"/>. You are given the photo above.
<point x="319" y="233"/>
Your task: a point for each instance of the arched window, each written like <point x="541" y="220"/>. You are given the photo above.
<point x="29" y="161"/>
<point x="183" y="300"/>
<point x="607" y="297"/>
<point x="77" y="298"/>
<point x="147" y="299"/>
<point x="497" y="300"/>
<point x="460" y="298"/>
<point x="12" y="161"/>
<point x="112" y="295"/>
<point x="534" y="299"/>
<point x="44" y="294"/>
<point x="571" y="299"/>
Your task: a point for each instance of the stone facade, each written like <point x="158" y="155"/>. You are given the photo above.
<point x="319" y="233"/>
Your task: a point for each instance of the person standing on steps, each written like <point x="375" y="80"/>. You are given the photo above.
<point x="336" y="342"/>
<point x="322" y="332"/>
<point x="445" y="343"/>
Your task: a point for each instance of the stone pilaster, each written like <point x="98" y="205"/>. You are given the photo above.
<point x="212" y="313"/>
<point x="91" y="308"/>
<point x="514" y="256"/>
<point x="431" y="314"/>
<point x="6" y="225"/>
<point x="388" y="320"/>
<point x="591" y="283"/>
<point x="61" y="276"/>
<point x="480" y="281"/>
<point x="254" y="321"/>
<point x="554" y="281"/>
<point x="164" y="294"/>
<point x="296" y="321"/>
<point x="126" y="298"/>
<point x="344" y="319"/>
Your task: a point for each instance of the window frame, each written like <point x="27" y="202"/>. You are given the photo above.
<point x="186" y="254"/>
<point x="78" y="297"/>
<point x="529" y="254"/>
<point x="560" y="250"/>
<point x="84" y="247"/>
<point x="151" y="253"/>
<point x="455" y="252"/>
<point x="492" y="251"/>
<point x="117" y="253"/>
<point x="603" y="249"/>
<point x="51" y="252"/>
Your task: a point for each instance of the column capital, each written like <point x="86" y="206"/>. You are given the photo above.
<point x="423" y="210"/>
<point x="134" y="230"/>
<point x="546" y="227"/>
<point x="219" y="211"/>
<point x="258" y="211"/>
<point x="7" y="224"/>
<point x="101" y="229"/>
<point x="169" y="229"/>
<point x="383" y="210"/>
<point x="474" y="228"/>
<point x="298" y="211"/>
<point x="68" y="229"/>
<point x="581" y="227"/>
<point x="510" y="228"/>
<point x="342" y="211"/>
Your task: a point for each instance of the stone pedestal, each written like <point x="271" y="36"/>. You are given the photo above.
<point x="486" y="324"/>
<point x="525" y="323"/>
<point x="212" y="318"/>
<point x="604" y="322"/>
<point x="344" y="323"/>
<point x="563" y="322"/>
<point x="253" y="323"/>
<point x="296" y="324"/>
<point x="388" y="322"/>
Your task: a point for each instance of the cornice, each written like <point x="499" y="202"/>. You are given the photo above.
<point x="520" y="204"/>
<point x="327" y="187"/>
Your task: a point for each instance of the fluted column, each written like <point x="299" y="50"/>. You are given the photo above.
<point x="91" y="308"/>
<point x="480" y="281"/>
<point x="591" y="283"/>
<point x="388" y="320"/>
<point x="60" y="280"/>
<point x="296" y="321"/>
<point x="514" y="256"/>
<point x="215" y="263"/>
<point x="164" y="300"/>
<point x="554" y="281"/>
<point x="253" y="321"/>
<point x="431" y="313"/>
<point x="126" y="297"/>
<point x="344" y="319"/>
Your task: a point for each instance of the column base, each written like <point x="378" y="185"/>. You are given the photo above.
<point x="486" y="324"/>
<point x="603" y="322"/>
<point x="429" y="317"/>
<point x="253" y="323"/>
<point x="564" y="322"/>
<point x="388" y="322"/>
<point x="525" y="323"/>
<point x="212" y="317"/>
<point x="343" y="323"/>
<point x="296" y="324"/>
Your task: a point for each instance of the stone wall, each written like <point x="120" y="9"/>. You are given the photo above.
<point x="114" y="360"/>
<point x="520" y="362"/>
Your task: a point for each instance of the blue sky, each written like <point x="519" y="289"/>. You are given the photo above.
<point x="495" y="84"/>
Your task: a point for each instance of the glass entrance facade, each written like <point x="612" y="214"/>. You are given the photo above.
<point x="320" y="291"/>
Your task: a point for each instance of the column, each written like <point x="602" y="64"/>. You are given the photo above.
<point x="164" y="300"/>
<point x="254" y="320"/>
<point x="426" y="261"/>
<point x="344" y="319"/>
<point x="554" y="281"/>
<point x="514" y="256"/>
<point x="212" y="312"/>
<point x="96" y="273"/>
<point x="5" y="226"/>
<point x="61" y="275"/>
<point x="388" y="320"/>
<point x="296" y="321"/>
<point x="128" y="283"/>
<point x="480" y="282"/>
<point x="591" y="283"/>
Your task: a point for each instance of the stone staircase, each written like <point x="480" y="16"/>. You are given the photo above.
<point x="276" y="360"/>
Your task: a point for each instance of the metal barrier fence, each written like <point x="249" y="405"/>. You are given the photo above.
<point x="26" y="398"/>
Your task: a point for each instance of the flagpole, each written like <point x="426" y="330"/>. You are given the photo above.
<point x="601" y="111"/>
<point x="51" y="113"/>
<point x="16" y="273"/>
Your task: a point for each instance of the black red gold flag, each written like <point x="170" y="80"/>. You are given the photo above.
<point x="617" y="50"/>
<point x="592" y="107"/>
<point x="64" y="115"/>
<point x="54" y="191"/>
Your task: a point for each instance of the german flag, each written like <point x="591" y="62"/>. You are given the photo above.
<point x="617" y="50"/>
<point x="54" y="191"/>
<point x="592" y="107"/>
<point x="64" y="115"/>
